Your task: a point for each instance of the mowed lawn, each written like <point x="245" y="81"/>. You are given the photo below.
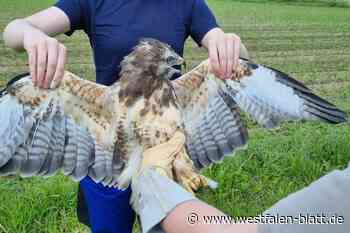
<point x="310" y="43"/>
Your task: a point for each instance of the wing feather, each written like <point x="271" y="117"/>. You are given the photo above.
<point x="213" y="125"/>
<point x="66" y="129"/>
<point x="271" y="97"/>
<point x="211" y="107"/>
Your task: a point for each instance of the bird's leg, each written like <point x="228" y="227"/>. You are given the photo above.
<point x="185" y="174"/>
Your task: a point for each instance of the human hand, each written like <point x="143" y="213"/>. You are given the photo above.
<point x="47" y="58"/>
<point x="224" y="50"/>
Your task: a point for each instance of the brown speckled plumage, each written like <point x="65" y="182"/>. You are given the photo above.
<point x="137" y="112"/>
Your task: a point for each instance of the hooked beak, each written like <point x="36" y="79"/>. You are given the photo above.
<point x="178" y="62"/>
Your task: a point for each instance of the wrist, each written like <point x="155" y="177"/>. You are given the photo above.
<point x="14" y="33"/>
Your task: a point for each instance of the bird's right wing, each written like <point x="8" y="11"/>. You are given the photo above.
<point x="67" y="128"/>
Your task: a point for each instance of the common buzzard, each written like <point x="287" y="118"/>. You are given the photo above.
<point x="85" y="128"/>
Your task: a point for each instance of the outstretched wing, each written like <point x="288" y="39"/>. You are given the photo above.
<point x="212" y="120"/>
<point x="43" y="131"/>
<point x="211" y="107"/>
<point x="270" y="97"/>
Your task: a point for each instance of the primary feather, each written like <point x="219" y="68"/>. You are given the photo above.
<point x="211" y="107"/>
<point x="87" y="129"/>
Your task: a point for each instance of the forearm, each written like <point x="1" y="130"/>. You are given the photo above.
<point x="14" y="33"/>
<point x="328" y="196"/>
<point x="49" y="22"/>
<point x="165" y="206"/>
<point x="190" y="217"/>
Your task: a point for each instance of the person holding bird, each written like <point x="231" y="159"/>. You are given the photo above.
<point x="113" y="29"/>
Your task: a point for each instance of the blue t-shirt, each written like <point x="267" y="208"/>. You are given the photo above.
<point x="115" y="26"/>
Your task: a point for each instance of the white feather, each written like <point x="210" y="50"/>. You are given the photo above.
<point x="263" y="85"/>
<point x="133" y="165"/>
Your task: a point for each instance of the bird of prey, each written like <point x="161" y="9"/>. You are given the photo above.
<point x="85" y="128"/>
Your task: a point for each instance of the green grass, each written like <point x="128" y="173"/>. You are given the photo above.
<point x="309" y="42"/>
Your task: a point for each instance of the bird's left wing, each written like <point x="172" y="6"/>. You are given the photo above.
<point x="211" y="107"/>
<point x="68" y="128"/>
<point x="212" y="119"/>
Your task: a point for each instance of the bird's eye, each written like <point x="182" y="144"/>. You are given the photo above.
<point x="170" y="60"/>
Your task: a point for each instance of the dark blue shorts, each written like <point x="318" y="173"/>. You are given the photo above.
<point x="103" y="209"/>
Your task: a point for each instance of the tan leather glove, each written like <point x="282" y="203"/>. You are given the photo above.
<point x="171" y="159"/>
<point x="161" y="157"/>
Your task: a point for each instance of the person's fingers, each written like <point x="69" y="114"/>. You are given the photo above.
<point x="230" y="55"/>
<point x="62" y="59"/>
<point x="223" y="57"/>
<point x="41" y="63"/>
<point x="214" y="59"/>
<point x="237" y="46"/>
<point x="52" y="59"/>
<point x="32" y="60"/>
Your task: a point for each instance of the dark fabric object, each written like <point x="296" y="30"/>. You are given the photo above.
<point x="82" y="210"/>
<point x="103" y="209"/>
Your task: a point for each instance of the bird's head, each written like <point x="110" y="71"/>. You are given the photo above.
<point x="148" y="69"/>
<point x="154" y="58"/>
